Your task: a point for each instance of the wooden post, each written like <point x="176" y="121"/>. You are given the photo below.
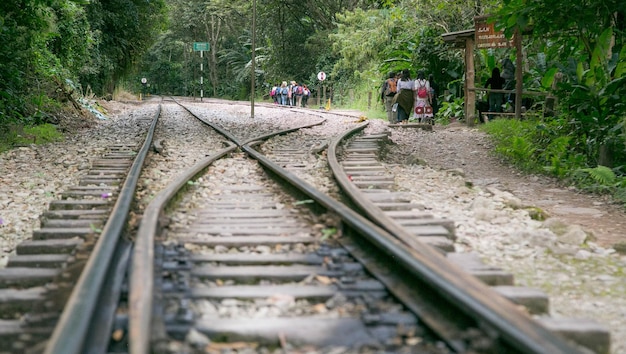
<point x="319" y="93"/>
<point x="470" y="93"/>
<point x="519" y="75"/>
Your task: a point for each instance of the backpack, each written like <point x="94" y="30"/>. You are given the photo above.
<point x="273" y="92"/>
<point x="390" y="89"/>
<point x="298" y="90"/>
<point x="283" y="91"/>
<point x="422" y="92"/>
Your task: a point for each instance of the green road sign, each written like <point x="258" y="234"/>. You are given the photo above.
<point x="198" y="46"/>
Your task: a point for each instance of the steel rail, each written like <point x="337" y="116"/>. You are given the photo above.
<point x="141" y="275"/>
<point x="450" y="281"/>
<point x="474" y="297"/>
<point x="141" y="279"/>
<point x="70" y="332"/>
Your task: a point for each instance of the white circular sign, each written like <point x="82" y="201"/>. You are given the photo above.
<point x="144" y="80"/>
<point x="321" y="76"/>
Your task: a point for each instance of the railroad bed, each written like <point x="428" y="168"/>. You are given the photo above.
<point x="242" y="263"/>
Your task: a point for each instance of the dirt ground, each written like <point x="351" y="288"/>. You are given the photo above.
<point x="457" y="146"/>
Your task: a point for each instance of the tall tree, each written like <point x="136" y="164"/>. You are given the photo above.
<point x="123" y="31"/>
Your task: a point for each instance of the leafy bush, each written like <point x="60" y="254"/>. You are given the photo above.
<point x="536" y="146"/>
<point x="450" y="108"/>
<point x="602" y="180"/>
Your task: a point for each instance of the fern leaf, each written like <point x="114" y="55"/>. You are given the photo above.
<point x="601" y="174"/>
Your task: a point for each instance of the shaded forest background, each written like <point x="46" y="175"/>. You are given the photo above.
<point x="57" y="54"/>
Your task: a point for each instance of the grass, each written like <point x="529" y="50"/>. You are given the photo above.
<point x="18" y="135"/>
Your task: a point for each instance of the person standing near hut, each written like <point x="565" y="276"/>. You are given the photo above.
<point x="496" y="99"/>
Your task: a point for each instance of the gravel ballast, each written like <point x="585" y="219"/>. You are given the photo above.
<point x="570" y="255"/>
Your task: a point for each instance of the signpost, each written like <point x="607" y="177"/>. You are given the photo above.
<point x="321" y="76"/>
<point x="201" y="47"/>
<point x="144" y="83"/>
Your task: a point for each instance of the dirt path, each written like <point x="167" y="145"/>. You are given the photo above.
<point x="459" y="147"/>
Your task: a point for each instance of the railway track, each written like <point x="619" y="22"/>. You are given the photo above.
<point x="256" y="265"/>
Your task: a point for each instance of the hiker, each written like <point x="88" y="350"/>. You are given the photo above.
<point x="305" y="95"/>
<point x="275" y="94"/>
<point x="386" y="95"/>
<point x="298" y="92"/>
<point x="403" y="101"/>
<point x="423" y="107"/>
<point x="283" y="93"/>
<point x="291" y="97"/>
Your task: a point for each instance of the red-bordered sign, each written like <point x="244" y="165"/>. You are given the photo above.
<point x="321" y="76"/>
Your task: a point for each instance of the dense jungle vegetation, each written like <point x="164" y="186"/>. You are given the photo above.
<point x="56" y="55"/>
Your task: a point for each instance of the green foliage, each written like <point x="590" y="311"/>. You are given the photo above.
<point x="328" y="232"/>
<point x="514" y="142"/>
<point x="537" y="146"/>
<point x="602" y="180"/>
<point x="584" y="58"/>
<point x="122" y="31"/>
<point x="556" y="154"/>
<point x="601" y="175"/>
<point x="16" y="135"/>
<point x="44" y="133"/>
<point x="48" y="45"/>
<point x="451" y="108"/>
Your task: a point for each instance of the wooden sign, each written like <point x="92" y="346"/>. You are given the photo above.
<point x="486" y="35"/>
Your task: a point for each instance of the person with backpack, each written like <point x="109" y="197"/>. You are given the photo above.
<point x="284" y="90"/>
<point x="305" y="95"/>
<point x="423" y="107"/>
<point x="386" y="95"/>
<point x="298" y="91"/>
<point x="291" y="97"/>
<point x="274" y="93"/>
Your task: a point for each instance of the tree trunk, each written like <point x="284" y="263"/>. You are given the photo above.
<point x="605" y="156"/>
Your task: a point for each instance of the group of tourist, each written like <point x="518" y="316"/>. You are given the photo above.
<point x="292" y="94"/>
<point x="405" y="98"/>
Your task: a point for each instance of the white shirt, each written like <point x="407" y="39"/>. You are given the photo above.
<point x="404" y="84"/>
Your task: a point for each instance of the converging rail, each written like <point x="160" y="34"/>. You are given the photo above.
<point x="230" y="224"/>
<point x="241" y="250"/>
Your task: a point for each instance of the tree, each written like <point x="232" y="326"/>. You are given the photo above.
<point x="123" y="30"/>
